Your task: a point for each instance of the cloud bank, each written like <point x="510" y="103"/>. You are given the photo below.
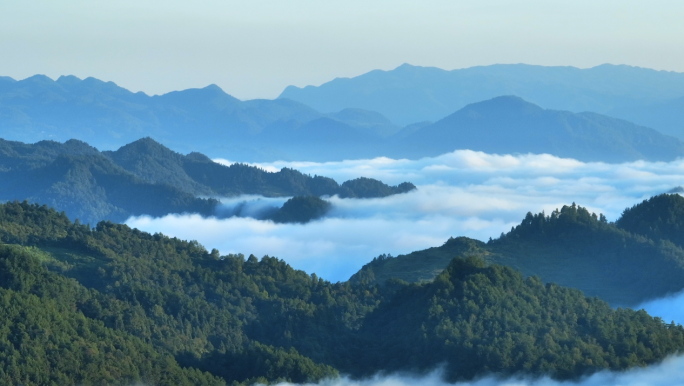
<point x="464" y="193"/>
<point x="670" y="372"/>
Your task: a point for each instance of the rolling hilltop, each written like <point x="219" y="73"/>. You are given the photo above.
<point x="113" y="305"/>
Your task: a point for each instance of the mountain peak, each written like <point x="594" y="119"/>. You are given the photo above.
<point x="39" y="78"/>
<point x="214" y="87"/>
<point x="406" y="66"/>
<point x="143" y="146"/>
<point x="503" y="104"/>
<point x="68" y="80"/>
<point x="78" y="144"/>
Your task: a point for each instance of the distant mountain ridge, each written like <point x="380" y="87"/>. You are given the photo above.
<point x="146" y="178"/>
<point x="409" y="94"/>
<point x="509" y="124"/>
<point x="666" y="116"/>
<point x="214" y="123"/>
<point x="108" y="116"/>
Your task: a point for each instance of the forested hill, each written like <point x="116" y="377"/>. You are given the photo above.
<point x="659" y="218"/>
<point x="571" y="247"/>
<point x="115" y="306"/>
<point x="197" y="174"/>
<point x="146" y="178"/>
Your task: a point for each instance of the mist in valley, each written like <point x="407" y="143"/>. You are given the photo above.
<point x="463" y="193"/>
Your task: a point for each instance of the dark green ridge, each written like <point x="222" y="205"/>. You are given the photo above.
<point x="571" y="247"/>
<point x="146" y="178"/>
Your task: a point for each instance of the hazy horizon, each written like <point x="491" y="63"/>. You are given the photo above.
<point x="256" y="49"/>
<point x="56" y="77"/>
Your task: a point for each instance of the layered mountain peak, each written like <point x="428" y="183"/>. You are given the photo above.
<point x="510" y="124"/>
<point x="213" y="87"/>
<point x="409" y="94"/>
<point x="143" y="146"/>
<point x="501" y="106"/>
<point x="38" y="78"/>
<point x="68" y="80"/>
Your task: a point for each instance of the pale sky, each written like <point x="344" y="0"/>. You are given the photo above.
<point x="255" y="48"/>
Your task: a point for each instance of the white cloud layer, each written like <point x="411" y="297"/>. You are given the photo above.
<point x="668" y="373"/>
<point x="463" y="193"/>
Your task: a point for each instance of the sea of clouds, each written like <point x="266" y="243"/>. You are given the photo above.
<point x="464" y="193"/>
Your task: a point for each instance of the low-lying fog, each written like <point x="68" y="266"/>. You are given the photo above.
<point x="463" y="193"/>
<point x="668" y="373"/>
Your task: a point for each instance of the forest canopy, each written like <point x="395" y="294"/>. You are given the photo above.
<point x="114" y="305"/>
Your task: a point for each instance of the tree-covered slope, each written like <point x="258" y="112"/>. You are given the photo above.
<point x="301" y="210"/>
<point x="87" y="184"/>
<point x="477" y="319"/>
<point x="174" y="296"/>
<point x="571" y="247"/>
<point x="197" y="174"/>
<point x="146" y="178"/>
<point x="45" y="340"/>
<point x="658" y="218"/>
<point x="125" y="306"/>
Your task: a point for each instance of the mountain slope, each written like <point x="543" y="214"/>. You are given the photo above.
<point x="658" y="218"/>
<point x="411" y="94"/>
<point x="252" y="321"/>
<point x="368" y="121"/>
<point x="506" y="125"/>
<point x="46" y="340"/>
<point x="667" y="116"/>
<point x="571" y="247"/>
<point x="476" y="320"/>
<point x="199" y="175"/>
<point x="86" y="184"/>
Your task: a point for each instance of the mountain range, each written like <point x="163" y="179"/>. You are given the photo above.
<point x="108" y="116"/>
<point x="474" y="108"/>
<point x="410" y="94"/>
<point x="146" y="178"/>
